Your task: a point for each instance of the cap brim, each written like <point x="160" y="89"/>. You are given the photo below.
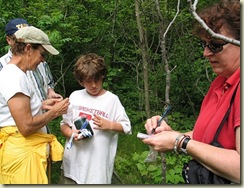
<point x="50" y="49"/>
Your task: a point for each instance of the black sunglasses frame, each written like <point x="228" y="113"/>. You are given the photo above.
<point x="213" y="46"/>
<point x="44" y="54"/>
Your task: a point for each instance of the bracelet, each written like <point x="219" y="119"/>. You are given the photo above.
<point x="177" y="142"/>
<point x="184" y="144"/>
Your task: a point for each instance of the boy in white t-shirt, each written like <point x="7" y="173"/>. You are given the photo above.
<point x="90" y="160"/>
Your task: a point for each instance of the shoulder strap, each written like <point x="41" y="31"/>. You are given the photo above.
<point x="226" y="116"/>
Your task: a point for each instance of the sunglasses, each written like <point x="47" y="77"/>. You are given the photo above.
<point x="213" y="46"/>
<point x="44" y="54"/>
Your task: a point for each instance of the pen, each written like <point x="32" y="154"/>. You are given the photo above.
<point x="161" y="119"/>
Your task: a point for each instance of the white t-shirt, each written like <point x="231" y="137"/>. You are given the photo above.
<point x="91" y="160"/>
<point x="41" y="78"/>
<point x="13" y="80"/>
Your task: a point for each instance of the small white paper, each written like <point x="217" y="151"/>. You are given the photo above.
<point x="142" y="135"/>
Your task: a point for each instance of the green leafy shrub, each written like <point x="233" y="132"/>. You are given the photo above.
<point x="174" y="165"/>
<point x="135" y="171"/>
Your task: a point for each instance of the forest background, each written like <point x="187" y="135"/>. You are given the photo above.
<point x="153" y="60"/>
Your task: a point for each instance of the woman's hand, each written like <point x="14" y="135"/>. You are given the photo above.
<point x="60" y="107"/>
<point x="49" y="103"/>
<point x="53" y="95"/>
<point x="152" y="124"/>
<point x="162" y="141"/>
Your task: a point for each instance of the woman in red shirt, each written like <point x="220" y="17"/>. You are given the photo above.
<point x="224" y="57"/>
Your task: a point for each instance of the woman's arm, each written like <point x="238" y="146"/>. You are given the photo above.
<point x="223" y="162"/>
<point x="27" y="124"/>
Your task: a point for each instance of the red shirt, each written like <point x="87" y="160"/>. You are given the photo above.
<point x="213" y="109"/>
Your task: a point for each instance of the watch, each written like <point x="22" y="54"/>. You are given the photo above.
<point x="184" y="144"/>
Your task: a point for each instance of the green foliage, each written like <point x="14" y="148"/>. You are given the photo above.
<point x="174" y="164"/>
<point x="54" y="127"/>
<point x="135" y="170"/>
<point x="130" y="165"/>
<point x="181" y="121"/>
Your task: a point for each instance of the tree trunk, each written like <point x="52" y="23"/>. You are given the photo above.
<point x="162" y="32"/>
<point x="144" y="50"/>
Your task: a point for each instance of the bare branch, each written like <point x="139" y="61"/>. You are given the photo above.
<point x="178" y="10"/>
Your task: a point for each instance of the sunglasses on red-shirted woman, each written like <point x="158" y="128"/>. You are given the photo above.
<point x="213" y="46"/>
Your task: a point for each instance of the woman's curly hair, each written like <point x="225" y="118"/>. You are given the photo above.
<point x="225" y="14"/>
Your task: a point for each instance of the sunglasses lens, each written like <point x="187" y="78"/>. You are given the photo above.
<point x="213" y="46"/>
<point x="44" y="55"/>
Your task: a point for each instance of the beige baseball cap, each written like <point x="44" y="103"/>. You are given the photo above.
<point x="33" y="35"/>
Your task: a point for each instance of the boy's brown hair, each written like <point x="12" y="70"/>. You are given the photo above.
<point x="90" y="67"/>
